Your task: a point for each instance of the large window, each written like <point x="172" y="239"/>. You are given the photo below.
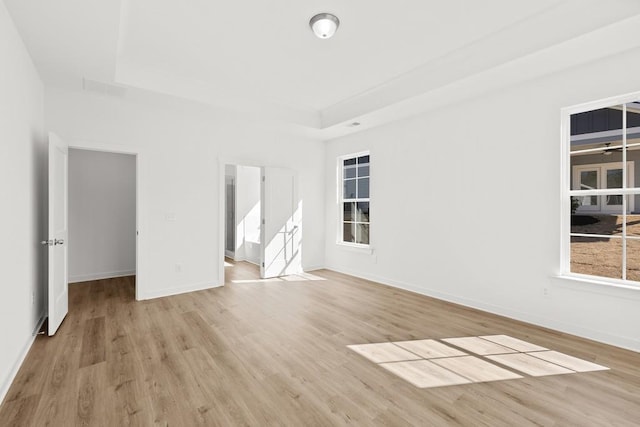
<point x="354" y="172"/>
<point x="601" y="226"/>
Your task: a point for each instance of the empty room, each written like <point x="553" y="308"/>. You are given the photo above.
<point x="320" y="213"/>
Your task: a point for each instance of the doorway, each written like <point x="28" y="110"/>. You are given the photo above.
<point x="260" y="219"/>
<point x="102" y="210"/>
<point x="57" y="240"/>
<point x="230" y="215"/>
<point x="243" y="213"/>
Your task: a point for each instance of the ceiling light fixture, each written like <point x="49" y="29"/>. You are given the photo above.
<point x="324" y="25"/>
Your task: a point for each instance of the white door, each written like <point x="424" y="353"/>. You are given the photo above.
<point x="281" y="231"/>
<point x="58" y="295"/>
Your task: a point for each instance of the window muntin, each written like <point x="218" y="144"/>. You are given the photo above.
<point x="354" y="199"/>
<point x="602" y="237"/>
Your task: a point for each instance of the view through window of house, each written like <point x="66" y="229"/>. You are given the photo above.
<point x="354" y="203"/>
<point x="605" y="192"/>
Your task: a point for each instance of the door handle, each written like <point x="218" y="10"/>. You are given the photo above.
<point x="47" y="243"/>
<point x="58" y="242"/>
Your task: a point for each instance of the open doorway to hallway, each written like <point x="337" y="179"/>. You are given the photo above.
<point x="243" y="213"/>
<point x="260" y="219"/>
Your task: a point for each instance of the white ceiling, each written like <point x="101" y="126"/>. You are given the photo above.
<point x="69" y="39"/>
<point x="260" y="56"/>
<point x="268" y="48"/>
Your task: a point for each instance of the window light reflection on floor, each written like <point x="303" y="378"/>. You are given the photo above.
<point x="431" y="363"/>
<point x="304" y="277"/>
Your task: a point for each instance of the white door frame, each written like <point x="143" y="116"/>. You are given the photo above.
<point x="137" y="152"/>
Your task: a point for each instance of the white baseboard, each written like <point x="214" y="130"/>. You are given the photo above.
<point x="313" y="268"/>
<point x="100" y="276"/>
<point x="603" y="337"/>
<point x="178" y="290"/>
<point x="6" y="384"/>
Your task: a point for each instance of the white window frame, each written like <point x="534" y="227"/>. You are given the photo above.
<point x="341" y="200"/>
<point x="566" y="192"/>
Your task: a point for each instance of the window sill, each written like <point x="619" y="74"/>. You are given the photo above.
<point x="590" y="284"/>
<point x="355" y="248"/>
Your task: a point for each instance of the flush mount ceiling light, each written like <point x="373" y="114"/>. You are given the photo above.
<point x="324" y="25"/>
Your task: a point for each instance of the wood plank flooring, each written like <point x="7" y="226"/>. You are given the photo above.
<point x="275" y="353"/>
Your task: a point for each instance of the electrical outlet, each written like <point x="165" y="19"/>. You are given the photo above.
<point x="546" y="292"/>
<point x="178" y="267"/>
<point x="33" y="298"/>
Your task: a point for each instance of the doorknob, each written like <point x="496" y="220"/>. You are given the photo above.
<point x="47" y="243"/>
<point x="58" y="242"/>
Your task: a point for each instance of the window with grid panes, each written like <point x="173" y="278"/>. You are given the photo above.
<point x="601" y="191"/>
<point x="355" y="199"/>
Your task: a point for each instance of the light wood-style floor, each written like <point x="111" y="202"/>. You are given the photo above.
<point x="274" y="353"/>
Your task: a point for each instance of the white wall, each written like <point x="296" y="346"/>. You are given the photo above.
<point x="248" y="214"/>
<point x="180" y="144"/>
<point x="22" y="187"/>
<point x="465" y="205"/>
<point x="102" y="215"/>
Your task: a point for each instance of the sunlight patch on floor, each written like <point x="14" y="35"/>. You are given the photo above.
<point x="453" y="361"/>
<point x="303" y="277"/>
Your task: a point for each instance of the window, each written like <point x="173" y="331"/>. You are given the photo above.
<point x="354" y="172"/>
<point x="601" y="226"/>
